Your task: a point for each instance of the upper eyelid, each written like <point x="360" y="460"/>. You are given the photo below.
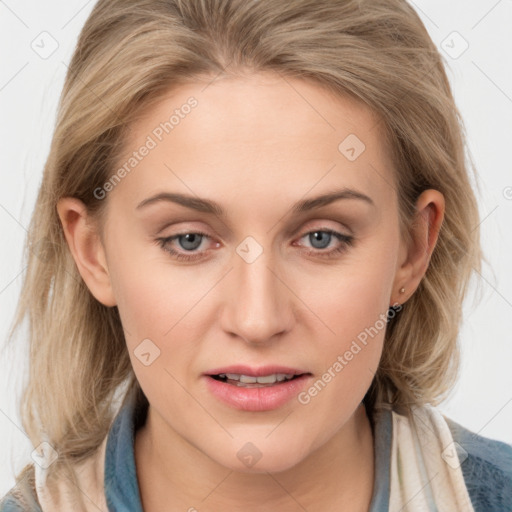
<point x="289" y="231"/>
<point x="301" y="234"/>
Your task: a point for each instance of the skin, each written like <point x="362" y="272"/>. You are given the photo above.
<point x="290" y="306"/>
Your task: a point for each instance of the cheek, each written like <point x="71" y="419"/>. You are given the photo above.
<point x="353" y="296"/>
<point x="353" y="311"/>
<point x="348" y="359"/>
<point x="158" y="306"/>
<point x="151" y="295"/>
<point x="164" y="313"/>
<point x="160" y="325"/>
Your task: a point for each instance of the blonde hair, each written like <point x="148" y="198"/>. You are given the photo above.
<point x="129" y="54"/>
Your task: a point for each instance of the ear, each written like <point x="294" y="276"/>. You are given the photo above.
<point x="86" y="247"/>
<point x="415" y="255"/>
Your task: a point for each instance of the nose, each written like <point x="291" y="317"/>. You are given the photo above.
<point x="258" y="304"/>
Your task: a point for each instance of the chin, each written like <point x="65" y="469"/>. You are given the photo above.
<point x="263" y="456"/>
<point x="276" y="465"/>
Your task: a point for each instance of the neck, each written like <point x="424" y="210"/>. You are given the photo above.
<point x="338" y="475"/>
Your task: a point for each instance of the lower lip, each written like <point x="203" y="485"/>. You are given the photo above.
<point x="257" y="399"/>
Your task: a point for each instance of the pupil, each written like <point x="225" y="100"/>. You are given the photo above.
<point x="318" y="235"/>
<point x="186" y="239"/>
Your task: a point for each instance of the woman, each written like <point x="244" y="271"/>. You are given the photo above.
<point x="247" y="263"/>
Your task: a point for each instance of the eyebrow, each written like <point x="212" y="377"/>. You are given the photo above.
<point x="208" y="206"/>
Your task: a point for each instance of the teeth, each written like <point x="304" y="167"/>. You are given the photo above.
<point x="249" y="379"/>
<point x="264" y="379"/>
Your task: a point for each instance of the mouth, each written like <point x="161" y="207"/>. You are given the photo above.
<point x="250" y="381"/>
<point x="261" y="376"/>
<point x="256" y="389"/>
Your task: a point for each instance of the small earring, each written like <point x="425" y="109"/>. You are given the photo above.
<point x="402" y="290"/>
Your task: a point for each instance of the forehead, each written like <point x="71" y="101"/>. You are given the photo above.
<point x="263" y="135"/>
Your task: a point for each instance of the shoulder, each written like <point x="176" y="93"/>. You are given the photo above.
<point x="22" y="497"/>
<point x="486" y="465"/>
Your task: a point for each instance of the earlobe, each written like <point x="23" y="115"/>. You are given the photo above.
<point x="86" y="248"/>
<point x="424" y="232"/>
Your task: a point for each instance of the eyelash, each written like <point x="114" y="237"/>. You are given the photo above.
<point x="346" y="241"/>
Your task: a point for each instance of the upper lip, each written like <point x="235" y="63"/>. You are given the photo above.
<point x="254" y="371"/>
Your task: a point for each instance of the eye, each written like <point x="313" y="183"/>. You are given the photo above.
<point x="321" y="238"/>
<point x="190" y="241"/>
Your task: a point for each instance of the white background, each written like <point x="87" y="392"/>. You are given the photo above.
<point x="482" y="80"/>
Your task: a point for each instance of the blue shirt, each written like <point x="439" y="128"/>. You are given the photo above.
<point x="487" y="470"/>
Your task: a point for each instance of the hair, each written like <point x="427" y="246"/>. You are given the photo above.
<point x="129" y="54"/>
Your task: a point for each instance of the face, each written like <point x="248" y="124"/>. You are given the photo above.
<point x="269" y="282"/>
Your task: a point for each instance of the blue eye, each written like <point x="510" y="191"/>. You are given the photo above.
<point x="321" y="238"/>
<point x="191" y="240"/>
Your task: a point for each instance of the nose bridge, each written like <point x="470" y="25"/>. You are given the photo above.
<point x="258" y="305"/>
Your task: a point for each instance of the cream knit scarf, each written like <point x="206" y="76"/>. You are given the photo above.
<point x="425" y="471"/>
